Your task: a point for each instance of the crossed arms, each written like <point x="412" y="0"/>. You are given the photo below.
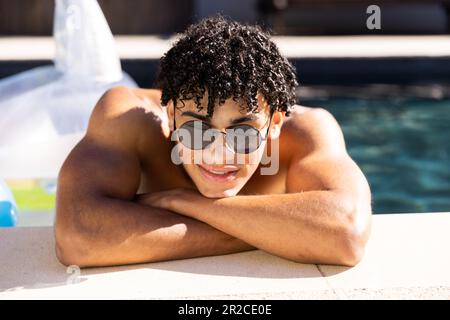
<point x="100" y="221"/>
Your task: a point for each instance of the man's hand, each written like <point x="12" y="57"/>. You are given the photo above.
<point x="180" y="200"/>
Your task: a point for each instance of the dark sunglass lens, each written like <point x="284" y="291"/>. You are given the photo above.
<point x="243" y="139"/>
<point x="195" y="135"/>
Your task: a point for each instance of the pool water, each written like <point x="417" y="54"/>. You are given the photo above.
<point x="403" y="147"/>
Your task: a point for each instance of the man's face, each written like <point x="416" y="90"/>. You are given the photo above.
<point x="217" y="169"/>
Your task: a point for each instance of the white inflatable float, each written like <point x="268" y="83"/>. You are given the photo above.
<point x="44" y="111"/>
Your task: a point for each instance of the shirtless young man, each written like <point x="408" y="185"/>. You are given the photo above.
<point x="123" y="198"/>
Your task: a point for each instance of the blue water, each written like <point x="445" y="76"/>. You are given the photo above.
<point x="403" y="147"/>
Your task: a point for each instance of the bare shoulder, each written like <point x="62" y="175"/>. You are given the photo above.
<point x="148" y="95"/>
<point x="316" y="128"/>
<point x="310" y="120"/>
<point x="112" y="144"/>
<point x="106" y="160"/>
<point x="320" y="160"/>
<point x="119" y="101"/>
<point x="124" y="114"/>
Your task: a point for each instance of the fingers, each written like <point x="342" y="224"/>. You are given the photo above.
<point x="168" y="199"/>
<point x="147" y="198"/>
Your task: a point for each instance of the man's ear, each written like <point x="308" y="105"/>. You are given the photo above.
<point x="277" y="123"/>
<point x="170" y="115"/>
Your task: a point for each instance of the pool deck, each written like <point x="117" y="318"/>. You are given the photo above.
<point x="407" y="257"/>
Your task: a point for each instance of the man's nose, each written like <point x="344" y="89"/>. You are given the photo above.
<point x="218" y="152"/>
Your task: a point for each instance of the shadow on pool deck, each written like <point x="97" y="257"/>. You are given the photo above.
<point x="29" y="262"/>
<point x="407" y="257"/>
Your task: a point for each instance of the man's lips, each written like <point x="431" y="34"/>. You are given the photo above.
<point x="218" y="174"/>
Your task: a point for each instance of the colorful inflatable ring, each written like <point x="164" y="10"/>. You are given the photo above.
<point x="8" y="208"/>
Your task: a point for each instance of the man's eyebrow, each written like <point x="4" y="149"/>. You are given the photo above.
<point x="196" y="115"/>
<point x="249" y="117"/>
<point x="207" y="118"/>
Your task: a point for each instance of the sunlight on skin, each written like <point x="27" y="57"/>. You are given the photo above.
<point x="216" y="157"/>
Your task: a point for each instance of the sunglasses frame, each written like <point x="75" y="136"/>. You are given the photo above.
<point x="232" y="149"/>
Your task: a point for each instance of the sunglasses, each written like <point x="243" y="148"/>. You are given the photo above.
<point x="199" y="135"/>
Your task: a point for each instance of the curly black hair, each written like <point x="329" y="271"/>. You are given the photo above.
<point x="230" y="60"/>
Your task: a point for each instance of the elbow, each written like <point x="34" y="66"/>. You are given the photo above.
<point x="352" y="237"/>
<point x="347" y="251"/>
<point x="64" y="256"/>
<point x="343" y="241"/>
<point x="351" y="250"/>
<point x="70" y="247"/>
<point x="67" y="254"/>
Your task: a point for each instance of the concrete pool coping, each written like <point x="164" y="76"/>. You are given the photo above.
<point x="153" y="46"/>
<point x="407" y="257"/>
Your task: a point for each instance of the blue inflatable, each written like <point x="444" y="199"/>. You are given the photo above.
<point x="8" y="208"/>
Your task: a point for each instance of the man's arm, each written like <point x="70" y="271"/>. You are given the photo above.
<point x="324" y="217"/>
<point x="99" y="223"/>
